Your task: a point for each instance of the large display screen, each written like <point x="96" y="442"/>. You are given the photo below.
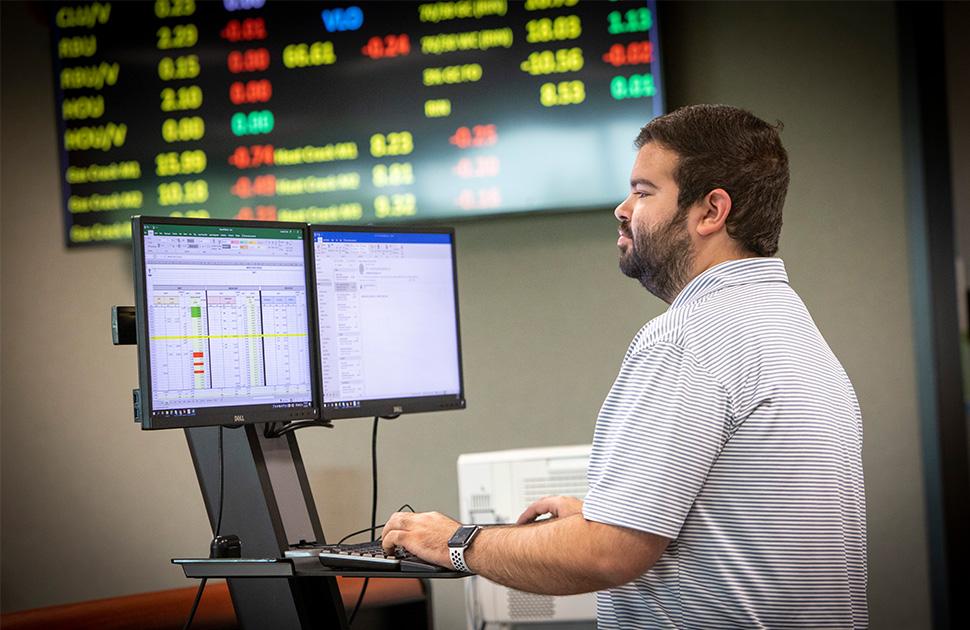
<point x="387" y="314"/>
<point x="365" y="112"/>
<point x="225" y="322"/>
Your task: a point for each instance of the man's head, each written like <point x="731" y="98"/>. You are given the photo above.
<point x="708" y="185"/>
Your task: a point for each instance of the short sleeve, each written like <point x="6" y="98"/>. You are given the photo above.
<point x="659" y="432"/>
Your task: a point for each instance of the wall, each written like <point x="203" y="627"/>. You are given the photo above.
<point x="545" y="320"/>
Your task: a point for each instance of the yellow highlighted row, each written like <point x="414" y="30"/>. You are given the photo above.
<point x="172" y="337"/>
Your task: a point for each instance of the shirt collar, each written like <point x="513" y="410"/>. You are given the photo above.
<point x="732" y="273"/>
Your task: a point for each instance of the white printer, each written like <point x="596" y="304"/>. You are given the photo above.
<point x="495" y="488"/>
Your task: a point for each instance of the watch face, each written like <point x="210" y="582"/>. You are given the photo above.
<point x="461" y="537"/>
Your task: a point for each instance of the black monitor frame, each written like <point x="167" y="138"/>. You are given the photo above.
<point x="386" y="407"/>
<point x="225" y="415"/>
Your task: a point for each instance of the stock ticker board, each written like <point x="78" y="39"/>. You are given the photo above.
<point x="346" y="113"/>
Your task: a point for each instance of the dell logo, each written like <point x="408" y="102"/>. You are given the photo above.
<point x="239" y="418"/>
<point x="398" y="409"/>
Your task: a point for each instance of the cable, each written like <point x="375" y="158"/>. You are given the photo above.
<point x="195" y="604"/>
<point x="373" y="512"/>
<point x="270" y="430"/>
<point x="359" y="531"/>
<point x="370" y="529"/>
<point x="222" y="487"/>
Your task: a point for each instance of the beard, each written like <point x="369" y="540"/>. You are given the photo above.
<point x="660" y="260"/>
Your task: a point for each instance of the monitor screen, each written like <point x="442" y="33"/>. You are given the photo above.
<point x="387" y="314"/>
<point x="223" y="322"/>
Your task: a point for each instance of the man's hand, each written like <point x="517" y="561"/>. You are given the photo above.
<point x="558" y="507"/>
<point x="425" y="535"/>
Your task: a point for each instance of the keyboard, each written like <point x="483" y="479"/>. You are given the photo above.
<point x="366" y="556"/>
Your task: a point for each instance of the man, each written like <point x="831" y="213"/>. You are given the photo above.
<point x="725" y="481"/>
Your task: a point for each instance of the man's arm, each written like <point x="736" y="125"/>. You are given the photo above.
<point x="561" y="556"/>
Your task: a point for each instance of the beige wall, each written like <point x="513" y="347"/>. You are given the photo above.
<point x="93" y="507"/>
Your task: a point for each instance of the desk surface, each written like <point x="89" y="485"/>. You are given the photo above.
<point x="289" y="567"/>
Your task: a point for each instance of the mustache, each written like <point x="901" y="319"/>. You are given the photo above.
<point x="625" y="230"/>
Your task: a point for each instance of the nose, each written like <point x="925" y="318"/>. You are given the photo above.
<point x="622" y="212"/>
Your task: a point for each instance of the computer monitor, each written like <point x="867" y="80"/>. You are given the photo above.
<point x="386" y="302"/>
<point x="223" y="322"/>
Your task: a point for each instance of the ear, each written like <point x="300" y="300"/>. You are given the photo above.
<point x="717" y="206"/>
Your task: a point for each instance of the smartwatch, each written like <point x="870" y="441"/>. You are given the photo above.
<point x="457" y="544"/>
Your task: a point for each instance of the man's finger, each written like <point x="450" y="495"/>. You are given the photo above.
<point x="392" y="539"/>
<point x="538" y="508"/>
<point x="527" y="517"/>
<point x="397" y="520"/>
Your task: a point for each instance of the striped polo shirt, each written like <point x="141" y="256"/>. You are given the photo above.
<point x="734" y="431"/>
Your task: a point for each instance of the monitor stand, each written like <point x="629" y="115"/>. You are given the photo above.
<point x="268" y="504"/>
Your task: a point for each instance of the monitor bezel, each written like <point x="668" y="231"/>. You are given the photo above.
<point x="388" y="407"/>
<point x="233" y="415"/>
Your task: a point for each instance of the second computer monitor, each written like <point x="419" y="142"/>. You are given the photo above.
<point x="387" y="315"/>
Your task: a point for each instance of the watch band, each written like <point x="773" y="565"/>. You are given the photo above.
<point x="458" y="559"/>
<point x="458" y="543"/>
